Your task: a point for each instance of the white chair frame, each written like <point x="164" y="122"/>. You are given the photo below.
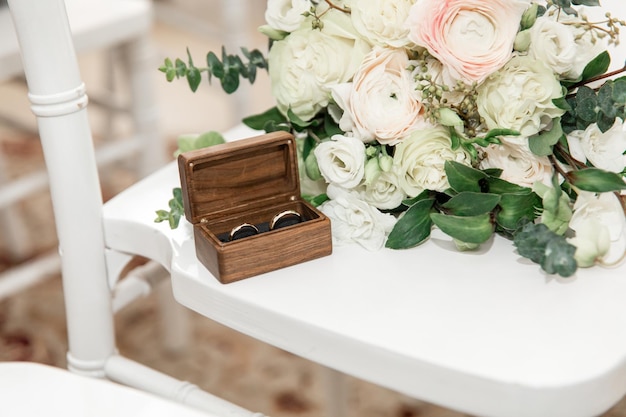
<point x="59" y="102"/>
<point x="487" y="334"/>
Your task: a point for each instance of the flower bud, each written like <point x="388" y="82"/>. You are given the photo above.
<point x="530" y="16"/>
<point x="522" y="41"/>
<point x="273" y="34"/>
<point x="385" y="162"/>
<point x="448" y="117"/>
<point x="372" y="170"/>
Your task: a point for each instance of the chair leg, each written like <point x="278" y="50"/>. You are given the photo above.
<point x="133" y="374"/>
<point x="336" y="393"/>
<point x="12" y="223"/>
<point x="138" y="58"/>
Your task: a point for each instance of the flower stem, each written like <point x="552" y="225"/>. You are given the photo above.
<point x="334" y="6"/>
<point x="598" y="78"/>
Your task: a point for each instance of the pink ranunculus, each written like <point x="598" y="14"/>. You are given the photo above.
<point x="471" y="38"/>
<point x="380" y="103"/>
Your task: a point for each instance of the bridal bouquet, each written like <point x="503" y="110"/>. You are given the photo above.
<point x="477" y="117"/>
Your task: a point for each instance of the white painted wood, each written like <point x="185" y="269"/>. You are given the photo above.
<point x="484" y="333"/>
<point x="59" y="101"/>
<point x="30" y="389"/>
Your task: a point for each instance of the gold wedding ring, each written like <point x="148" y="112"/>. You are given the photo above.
<point x="243" y="230"/>
<point x="284" y="219"/>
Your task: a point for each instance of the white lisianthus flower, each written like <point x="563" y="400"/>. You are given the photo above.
<point x="341" y="160"/>
<point x="381" y="102"/>
<point x="562" y="45"/>
<point x="472" y="38"/>
<point x="381" y="22"/>
<point x="519" y="165"/>
<point x="519" y="97"/>
<point x="603" y="150"/>
<point x="600" y="227"/>
<point x="355" y="221"/>
<point x="307" y="63"/>
<point x="286" y="15"/>
<point x="419" y="160"/>
<point x="382" y="193"/>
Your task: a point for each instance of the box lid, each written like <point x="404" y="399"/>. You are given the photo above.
<point x="230" y="178"/>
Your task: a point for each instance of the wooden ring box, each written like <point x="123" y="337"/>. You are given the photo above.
<point x="249" y="181"/>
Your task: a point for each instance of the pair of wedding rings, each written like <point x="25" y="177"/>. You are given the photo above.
<point x="282" y="219"/>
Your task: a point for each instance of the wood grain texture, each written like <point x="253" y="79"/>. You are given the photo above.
<point x="250" y="181"/>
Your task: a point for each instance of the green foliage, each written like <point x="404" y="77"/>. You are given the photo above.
<point x="176" y="211"/>
<point x="204" y="140"/>
<point x="185" y="143"/>
<point x="547" y="248"/>
<point x="477" y="204"/>
<point x="229" y="69"/>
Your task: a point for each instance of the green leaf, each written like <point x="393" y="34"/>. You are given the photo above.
<point x="597" y="66"/>
<point x="193" y="78"/>
<point x="541" y="144"/>
<point x="413" y="228"/>
<point x="176" y="211"/>
<point x="463" y="178"/>
<point x="471" y="204"/>
<point x="517" y="208"/>
<point x="586" y="2"/>
<point x="258" y="121"/>
<point x="316" y="200"/>
<point x="596" y="180"/>
<point x="215" y="65"/>
<point x="499" y="186"/>
<point x="541" y="245"/>
<point x="468" y="229"/>
<point x="619" y="91"/>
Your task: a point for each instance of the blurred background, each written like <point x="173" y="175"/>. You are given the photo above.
<point x="32" y="321"/>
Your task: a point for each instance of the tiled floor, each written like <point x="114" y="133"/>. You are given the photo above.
<point x="229" y="364"/>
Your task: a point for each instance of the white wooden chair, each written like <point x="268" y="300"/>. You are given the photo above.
<point x="118" y="27"/>
<point x="486" y="334"/>
<point x="89" y="269"/>
<point x="61" y="393"/>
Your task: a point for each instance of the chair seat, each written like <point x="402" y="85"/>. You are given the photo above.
<point x="101" y="23"/>
<point x="31" y="389"/>
<point x="484" y="333"/>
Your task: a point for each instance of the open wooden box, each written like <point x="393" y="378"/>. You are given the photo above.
<point x="249" y="181"/>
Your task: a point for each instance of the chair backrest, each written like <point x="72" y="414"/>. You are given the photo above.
<point x="59" y="101"/>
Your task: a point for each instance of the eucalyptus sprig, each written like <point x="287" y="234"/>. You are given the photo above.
<point x="228" y="70"/>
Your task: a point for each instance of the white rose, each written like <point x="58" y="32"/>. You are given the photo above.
<point x="381" y="22"/>
<point x="472" y="38"/>
<point x="603" y="150"/>
<point x="355" y="221"/>
<point x="286" y="15"/>
<point x="519" y="97"/>
<point x="381" y="102"/>
<point x="419" y="160"/>
<point x="382" y="193"/>
<point x="565" y="48"/>
<point x="307" y="63"/>
<point x="341" y="160"/>
<point x="600" y="225"/>
<point x="519" y="165"/>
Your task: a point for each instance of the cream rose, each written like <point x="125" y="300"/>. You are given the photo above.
<point x="286" y="15"/>
<point x="565" y="48"/>
<point x="381" y="22"/>
<point x="341" y="160"/>
<point x="381" y="103"/>
<point x="603" y="150"/>
<point x="307" y="63"/>
<point x="519" y="97"/>
<point x="600" y="227"/>
<point x="419" y="160"/>
<point x="472" y="38"/>
<point x="355" y="221"/>
<point x="519" y="165"/>
<point x="382" y="193"/>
